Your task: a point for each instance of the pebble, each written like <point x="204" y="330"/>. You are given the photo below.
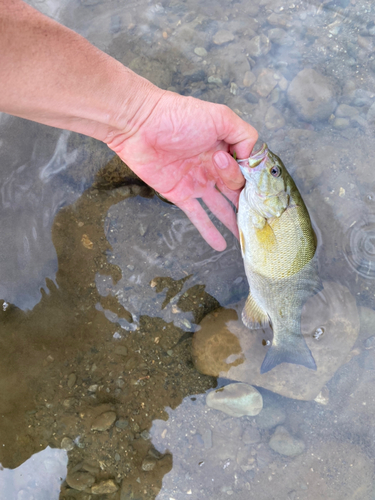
<point x="358" y="121"/>
<point x="249" y="79"/>
<point x="142" y="229"/>
<point x="200" y="51"/>
<point x="222" y="37"/>
<point x="312" y="95"/>
<point x="69" y="402"/>
<point x="236" y="400"/>
<point x="341" y="123"/>
<point x="370" y="342"/>
<point x="120" y="382"/>
<point x="92" y="467"/>
<point x="323" y="396"/>
<point x="274" y="119"/>
<point x="104" y="421"/>
<point x="121" y="350"/>
<point x="270" y="417"/>
<point x="283" y="84"/>
<point x="233" y="88"/>
<point x="86" y="242"/>
<point x="80" y="480"/>
<point x="148" y="464"/>
<point x="214" y="79"/>
<point x="121" y="423"/>
<point x="259" y="46"/>
<point x="265" y="83"/>
<point x="67" y="444"/>
<point x="284" y="444"/>
<point x="104" y="487"/>
<point x="279" y="36"/>
<point x="346" y="111"/>
<point x="252" y="98"/>
<point x="145" y="435"/>
<point x="72" y="379"/>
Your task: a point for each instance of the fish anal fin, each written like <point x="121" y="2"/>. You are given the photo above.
<point x="253" y="316"/>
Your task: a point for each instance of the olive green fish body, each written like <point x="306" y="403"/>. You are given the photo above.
<point x="278" y="246"/>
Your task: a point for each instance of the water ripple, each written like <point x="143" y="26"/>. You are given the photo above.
<point x="359" y="246"/>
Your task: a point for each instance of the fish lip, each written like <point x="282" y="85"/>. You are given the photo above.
<point x="254" y="159"/>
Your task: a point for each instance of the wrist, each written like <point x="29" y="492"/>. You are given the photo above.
<point x="132" y="109"/>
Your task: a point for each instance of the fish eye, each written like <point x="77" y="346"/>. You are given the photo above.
<point x="275" y="171"/>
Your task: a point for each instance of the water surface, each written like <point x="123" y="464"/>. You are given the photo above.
<point x="103" y="284"/>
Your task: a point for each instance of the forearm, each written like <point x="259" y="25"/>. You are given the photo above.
<point x="52" y="75"/>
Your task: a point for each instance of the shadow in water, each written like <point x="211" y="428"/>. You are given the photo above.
<point x="72" y="379"/>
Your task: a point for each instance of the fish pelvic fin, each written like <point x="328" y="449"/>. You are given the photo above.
<point x="253" y="316"/>
<point x="295" y="352"/>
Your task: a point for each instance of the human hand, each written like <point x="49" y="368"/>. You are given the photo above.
<point x="183" y="150"/>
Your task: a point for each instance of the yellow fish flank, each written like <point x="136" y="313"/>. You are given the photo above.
<point x="278" y="246"/>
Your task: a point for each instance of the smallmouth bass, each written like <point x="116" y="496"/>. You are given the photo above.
<point x="278" y="245"/>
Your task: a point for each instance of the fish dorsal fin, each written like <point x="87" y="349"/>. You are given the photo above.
<point x="253" y="316"/>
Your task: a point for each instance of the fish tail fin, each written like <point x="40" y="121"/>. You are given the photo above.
<point x="297" y="353"/>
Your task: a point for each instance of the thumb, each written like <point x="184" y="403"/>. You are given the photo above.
<point x="228" y="170"/>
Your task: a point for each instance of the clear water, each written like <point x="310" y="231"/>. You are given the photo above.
<point x="103" y="284"/>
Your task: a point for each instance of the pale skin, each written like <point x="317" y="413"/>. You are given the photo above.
<point x="180" y="146"/>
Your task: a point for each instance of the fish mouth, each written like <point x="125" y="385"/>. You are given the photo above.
<point x="255" y="158"/>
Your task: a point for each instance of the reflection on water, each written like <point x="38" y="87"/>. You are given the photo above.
<point x="40" y="477"/>
<point x="101" y="365"/>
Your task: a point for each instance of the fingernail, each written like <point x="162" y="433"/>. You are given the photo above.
<point x="221" y="159"/>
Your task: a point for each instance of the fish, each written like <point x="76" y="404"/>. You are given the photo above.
<point x="278" y="246"/>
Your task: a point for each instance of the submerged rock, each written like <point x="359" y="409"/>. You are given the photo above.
<point x="236" y="400"/>
<point x="222" y="37"/>
<point x="274" y="119"/>
<point x="104" y="487"/>
<point x="80" y="480"/>
<point x="259" y="46"/>
<point x="270" y="417"/>
<point x="224" y="347"/>
<point x="104" y="421"/>
<point x="312" y="95"/>
<point x="285" y="444"/>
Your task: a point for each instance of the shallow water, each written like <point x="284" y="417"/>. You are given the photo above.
<point x="103" y="283"/>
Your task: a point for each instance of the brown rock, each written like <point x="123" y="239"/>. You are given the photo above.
<point x="224" y="347"/>
<point x="104" y="487"/>
<point x="80" y="480"/>
<point x="265" y="83"/>
<point x="103" y="421"/>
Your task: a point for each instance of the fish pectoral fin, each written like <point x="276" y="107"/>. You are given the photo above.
<point x="253" y="316"/>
